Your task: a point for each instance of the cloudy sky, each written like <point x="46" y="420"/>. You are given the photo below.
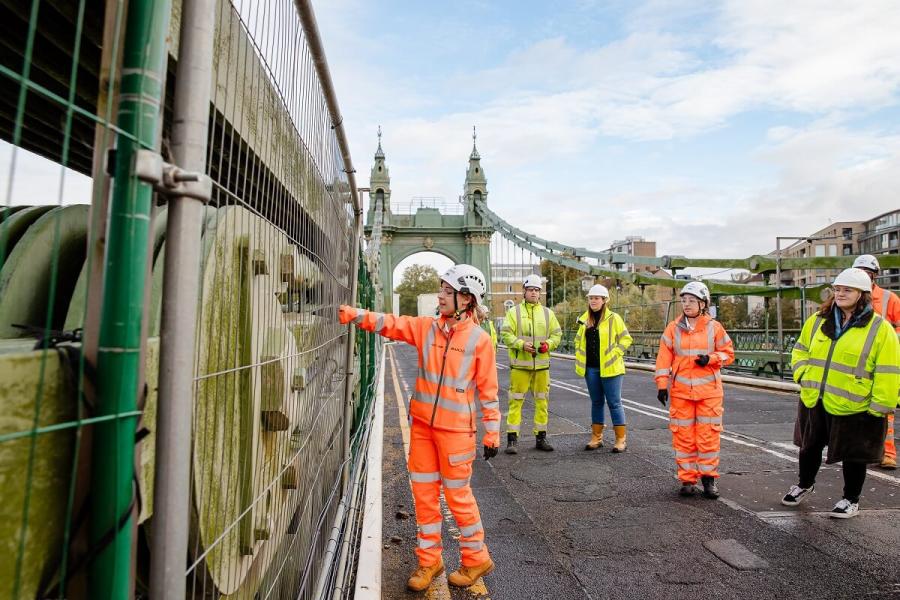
<point x="710" y="127"/>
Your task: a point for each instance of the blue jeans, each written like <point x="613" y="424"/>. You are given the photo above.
<point x="608" y="390"/>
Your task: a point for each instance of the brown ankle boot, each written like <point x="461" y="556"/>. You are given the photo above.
<point x="423" y="576"/>
<point x="596" y="437"/>
<point x="620" y="438"/>
<point x="466" y="576"/>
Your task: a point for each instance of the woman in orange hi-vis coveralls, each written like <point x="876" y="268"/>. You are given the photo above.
<point x="457" y="365"/>
<point x="692" y="350"/>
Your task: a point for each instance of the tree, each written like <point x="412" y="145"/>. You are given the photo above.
<point x="417" y="279"/>
<point x="733" y="313"/>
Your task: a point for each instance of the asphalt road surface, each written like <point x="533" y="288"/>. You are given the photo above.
<point x="572" y="524"/>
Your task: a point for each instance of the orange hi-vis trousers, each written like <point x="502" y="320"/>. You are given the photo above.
<point x="695" y="426"/>
<point x="890" y="447"/>
<point x="439" y="457"/>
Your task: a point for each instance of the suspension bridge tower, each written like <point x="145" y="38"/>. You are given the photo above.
<point x="457" y="232"/>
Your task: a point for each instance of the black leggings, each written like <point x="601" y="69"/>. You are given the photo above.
<point x="854" y="473"/>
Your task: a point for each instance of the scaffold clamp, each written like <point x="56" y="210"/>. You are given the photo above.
<point x="169" y="179"/>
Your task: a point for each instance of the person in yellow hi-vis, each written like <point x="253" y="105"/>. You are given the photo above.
<point x="530" y="332"/>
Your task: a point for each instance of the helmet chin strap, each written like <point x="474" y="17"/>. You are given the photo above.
<point x="456" y="311"/>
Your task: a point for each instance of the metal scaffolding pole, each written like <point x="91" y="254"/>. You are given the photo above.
<point x="121" y="336"/>
<point x="181" y="292"/>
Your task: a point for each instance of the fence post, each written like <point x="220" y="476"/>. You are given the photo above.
<point x="181" y="292"/>
<point x="121" y="336"/>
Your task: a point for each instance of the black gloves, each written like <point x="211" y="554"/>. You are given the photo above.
<point x="702" y="360"/>
<point x="490" y="452"/>
<point x="662" y="396"/>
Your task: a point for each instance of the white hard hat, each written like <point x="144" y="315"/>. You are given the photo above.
<point x="866" y="261"/>
<point x="698" y="289"/>
<point x="468" y="280"/>
<point x="534" y="281"/>
<point x="599" y="290"/>
<point x="854" y="278"/>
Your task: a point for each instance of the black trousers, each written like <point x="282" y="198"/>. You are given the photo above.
<point x="854" y="472"/>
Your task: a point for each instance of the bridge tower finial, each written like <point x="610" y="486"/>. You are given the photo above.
<point x="474" y="154"/>
<point x="379" y="153"/>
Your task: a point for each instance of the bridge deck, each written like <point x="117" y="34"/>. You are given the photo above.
<point x="576" y="524"/>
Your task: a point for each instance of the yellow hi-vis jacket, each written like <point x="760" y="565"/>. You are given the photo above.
<point x="530" y="323"/>
<point x="614" y="341"/>
<point x="857" y="372"/>
<point x="488" y="326"/>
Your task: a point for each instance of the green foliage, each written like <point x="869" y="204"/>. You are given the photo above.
<point x="733" y="312"/>
<point x="417" y="279"/>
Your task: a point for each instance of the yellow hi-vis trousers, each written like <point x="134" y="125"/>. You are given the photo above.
<point x="520" y="382"/>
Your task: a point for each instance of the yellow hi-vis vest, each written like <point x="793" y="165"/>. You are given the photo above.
<point x="857" y="372"/>
<point x="530" y="323"/>
<point x="488" y="326"/>
<point x="614" y="341"/>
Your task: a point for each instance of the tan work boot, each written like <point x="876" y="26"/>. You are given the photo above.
<point x="466" y="576"/>
<point x="619" y="446"/>
<point x="596" y="437"/>
<point x="888" y="462"/>
<point x="423" y="576"/>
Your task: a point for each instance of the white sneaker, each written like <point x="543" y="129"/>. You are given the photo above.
<point x="844" y="509"/>
<point x="797" y="495"/>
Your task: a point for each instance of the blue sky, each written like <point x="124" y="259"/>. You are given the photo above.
<point x="710" y="127"/>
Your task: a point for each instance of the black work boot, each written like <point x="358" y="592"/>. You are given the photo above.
<point x="710" y="489"/>
<point x="512" y="442"/>
<point x="541" y="442"/>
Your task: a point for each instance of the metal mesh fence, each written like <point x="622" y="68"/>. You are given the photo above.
<point x="270" y="366"/>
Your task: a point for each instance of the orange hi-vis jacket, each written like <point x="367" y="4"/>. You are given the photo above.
<point x="887" y="304"/>
<point x="679" y="347"/>
<point x="457" y="365"/>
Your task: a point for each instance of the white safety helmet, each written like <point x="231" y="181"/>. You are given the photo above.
<point x="866" y="261"/>
<point x="599" y="290"/>
<point x="698" y="289"/>
<point x="468" y="280"/>
<point x="534" y="281"/>
<point x="854" y="278"/>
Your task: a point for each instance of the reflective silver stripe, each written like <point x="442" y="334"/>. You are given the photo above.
<point x="709" y="420"/>
<point x="681" y="351"/>
<point x="801" y="363"/>
<point x="476" y="545"/>
<point x="506" y="329"/>
<point x="542" y="395"/>
<point x="555" y="331"/>
<point x="430" y="527"/>
<point x="428" y="543"/>
<point x="666" y="340"/>
<point x="688" y="466"/>
<point x="726" y="339"/>
<point x="663" y="372"/>
<point x="874" y="325"/>
<point x="887" y="369"/>
<point x="492" y="425"/>
<point x="692" y="381"/>
<point x="521" y="362"/>
<point x="708" y="455"/>
<point x="519" y="319"/>
<point x="461" y="457"/>
<point x="801" y="347"/>
<point x="722" y="356"/>
<point x="450" y="405"/>
<point x="493" y="405"/>
<point x="881" y="408"/>
<point x="885" y="300"/>
<point x="513" y="428"/>
<point x="833" y="390"/>
<point x="546" y="321"/>
<point x="426" y="349"/>
<point x="706" y="468"/>
<point x="580" y="354"/>
<point x="470" y="530"/>
<point x="360" y="315"/>
<point x="818" y="362"/>
<point x="379" y="323"/>
<point x="682" y="422"/>
<point x="517" y="395"/>
<point x="611" y="361"/>
<point x="424" y="477"/>
<point x="455" y="483"/>
<point x="680" y="454"/>
<point x="710" y="338"/>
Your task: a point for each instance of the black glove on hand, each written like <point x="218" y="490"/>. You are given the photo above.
<point x="662" y="396"/>
<point x="490" y="452"/>
<point x="702" y="360"/>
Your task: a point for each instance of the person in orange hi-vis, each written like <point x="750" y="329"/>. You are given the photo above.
<point x="692" y="350"/>
<point x="457" y="365"/>
<point x="887" y="304"/>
